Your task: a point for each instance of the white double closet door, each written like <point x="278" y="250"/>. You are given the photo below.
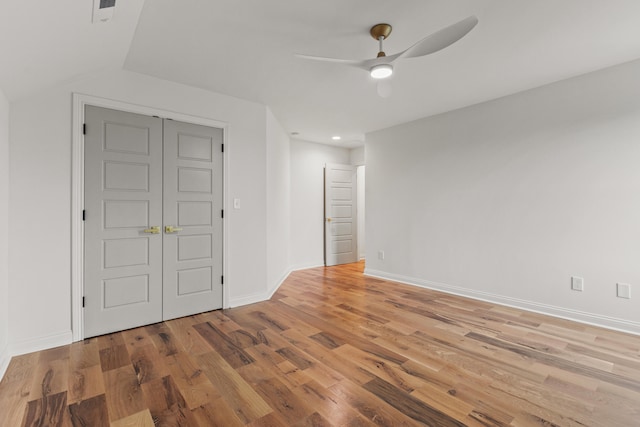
<point x="152" y="220"/>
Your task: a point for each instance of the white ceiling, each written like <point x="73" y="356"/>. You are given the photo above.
<point x="245" y="48"/>
<point x="47" y="43"/>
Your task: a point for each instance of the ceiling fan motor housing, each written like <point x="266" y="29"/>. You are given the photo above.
<point x="380" y="30"/>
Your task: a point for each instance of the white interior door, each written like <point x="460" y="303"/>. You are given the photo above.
<point x="123" y="204"/>
<point x="153" y="226"/>
<point x="192" y="219"/>
<point x="340" y="214"/>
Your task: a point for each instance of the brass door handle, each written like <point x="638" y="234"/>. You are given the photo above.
<point x="171" y="229"/>
<point x="328" y="219"/>
<point x="153" y="230"/>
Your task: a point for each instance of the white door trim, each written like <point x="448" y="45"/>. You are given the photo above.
<point x="331" y="187"/>
<point x="77" y="191"/>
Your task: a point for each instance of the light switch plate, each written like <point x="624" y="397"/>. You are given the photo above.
<point x="577" y="283"/>
<point x="624" y="290"/>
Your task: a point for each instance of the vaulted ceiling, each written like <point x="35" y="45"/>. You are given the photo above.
<point x="245" y="48"/>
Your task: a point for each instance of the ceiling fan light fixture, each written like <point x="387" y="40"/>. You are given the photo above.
<point x="381" y="71"/>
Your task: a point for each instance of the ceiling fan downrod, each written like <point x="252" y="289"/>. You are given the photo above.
<point x="380" y="32"/>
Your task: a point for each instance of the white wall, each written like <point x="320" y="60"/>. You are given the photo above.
<point x="356" y="156"/>
<point x="278" y="203"/>
<point x="307" y="200"/>
<point x="4" y="231"/>
<point x="40" y="168"/>
<point x="508" y="199"/>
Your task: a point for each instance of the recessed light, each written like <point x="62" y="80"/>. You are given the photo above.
<point x="336" y="138"/>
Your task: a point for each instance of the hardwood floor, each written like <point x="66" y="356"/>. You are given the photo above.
<point x="335" y="348"/>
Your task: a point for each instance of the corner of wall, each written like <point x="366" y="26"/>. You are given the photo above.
<point x="260" y="297"/>
<point x="278" y="188"/>
<point x="279" y="283"/>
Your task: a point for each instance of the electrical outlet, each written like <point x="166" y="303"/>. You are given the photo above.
<point x="381" y="255"/>
<point x="577" y="283"/>
<point x="624" y="290"/>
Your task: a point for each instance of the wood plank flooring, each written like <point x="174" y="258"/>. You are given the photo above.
<point x="335" y="348"/>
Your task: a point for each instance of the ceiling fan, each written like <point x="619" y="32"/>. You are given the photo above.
<point x="381" y="66"/>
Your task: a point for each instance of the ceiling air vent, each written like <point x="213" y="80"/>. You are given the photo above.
<point x="103" y="10"/>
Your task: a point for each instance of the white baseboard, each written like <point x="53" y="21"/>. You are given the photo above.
<point x="5" y="358"/>
<point x="247" y="299"/>
<point x="550" y="310"/>
<point x="259" y="297"/>
<point x="40" y="343"/>
<point x="30" y="345"/>
<point x="275" y="288"/>
<point x="305" y="266"/>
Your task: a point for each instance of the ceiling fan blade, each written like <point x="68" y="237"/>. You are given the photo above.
<point x="353" y="62"/>
<point x="440" y="39"/>
<point x="430" y="44"/>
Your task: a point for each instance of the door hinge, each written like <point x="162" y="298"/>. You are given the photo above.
<point x="222" y="280"/>
<point x="82" y="302"/>
<point x="222" y="213"/>
<point x="84" y="214"/>
<point x="222" y="147"/>
<point x="84" y="128"/>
